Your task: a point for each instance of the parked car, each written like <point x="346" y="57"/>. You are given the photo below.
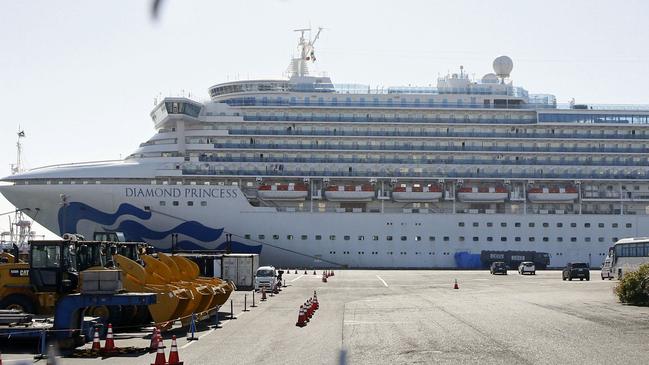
<point x="498" y="267"/>
<point x="576" y="270"/>
<point x="527" y="267"/>
<point x="607" y="269"/>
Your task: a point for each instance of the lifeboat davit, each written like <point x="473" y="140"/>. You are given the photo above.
<point x="552" y="195"/>
<point x="349" y="193"/>
<point x="491" y="194"/>
<point x="409" y="194"/>
<point x="283" y="192"/>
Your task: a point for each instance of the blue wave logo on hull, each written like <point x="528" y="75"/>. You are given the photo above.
<point x="70" y="215"/>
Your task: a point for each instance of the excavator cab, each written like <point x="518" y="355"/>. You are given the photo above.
<point x="53" y="266"/>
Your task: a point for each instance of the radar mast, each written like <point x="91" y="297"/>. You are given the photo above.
<point x="299" y="65"/>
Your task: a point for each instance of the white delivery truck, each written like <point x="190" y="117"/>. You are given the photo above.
<point x="266" y="277"/>
<point x="238" y="268"/>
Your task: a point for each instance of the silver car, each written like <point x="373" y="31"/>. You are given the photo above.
<point x="527" y="267"/>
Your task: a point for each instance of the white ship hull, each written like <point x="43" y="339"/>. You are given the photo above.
<point x="134" y="210"/>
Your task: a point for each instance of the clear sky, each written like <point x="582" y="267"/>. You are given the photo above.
<point x="81" y="76"/>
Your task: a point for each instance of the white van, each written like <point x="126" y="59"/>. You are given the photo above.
<point x="607" y="269"/>
<point x="266" y="277"/>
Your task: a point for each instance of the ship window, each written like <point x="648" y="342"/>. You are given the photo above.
<point x="490" y="224"/>
<point x="531" y="239"/>
<point x="476" y="224"/>
<point x="600" y="239"/>
<point x="573" y="239"/>
<point x="431" y="238"/>
<point x="361" y="238"/>
<point x="318" y="237"/>
<point x="190" y="203"/>
<point x="275" y="236"/>
<point x="475" y="238"/>
<point x="403" y="238"/>
<point x="614" y="239"/>
<point x="600" y="225"/>
<point x="546" y="239"/>
<point x="587" y="239"/>
<point x="628" y="225"/>
<point x="614" y="225"/>
<point x="490" y="239"/>
<point x="503" y="224"/>
<point x="304" y="237"/>
<point x="289" y="237"/>
<point x="517" y="224"/>
<point x="517" y="239"/>
<point x="163" y="203"/>
<point x="346" y="238"/>
<point x="559" y="239"/>
<point x="375" y="238"/>
<point x="203" y="203"/>
<point x="175" y="203"/>
<point x="460" y="224"/>
<point x="417" y="238"/>
<point x="332" y="237"/>
<point x="389" y="238"/>
<point x="531" y="225"/>
<point x="261" y="236"/>
<point x="503" y="239"/>
<point x="573" y="225"/>
<point x="586" y="225"/>
<point x="446" y="238"/>
<point x="559" y="225"/>
<point x="461" y="238"/>
<point x="546" y="225"/>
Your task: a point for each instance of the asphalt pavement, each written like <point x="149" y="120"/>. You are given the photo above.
<point x="411" y="317"/>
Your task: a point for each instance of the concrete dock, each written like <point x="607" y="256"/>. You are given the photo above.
<point x="406" y="317"/>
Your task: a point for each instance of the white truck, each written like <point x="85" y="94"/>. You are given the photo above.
<point x="266" y="277"/>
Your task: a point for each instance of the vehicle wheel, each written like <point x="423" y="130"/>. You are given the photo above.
<point x="581" y="279"/>
<point x="533" y="272"/>
<point x="588" y="278"/>
<point x="19" y="302"/>
<point x="602" y="277"/>
<point x="563" y="278"/>
<point x="569" y="278"/>
<point x="610" y="278"/>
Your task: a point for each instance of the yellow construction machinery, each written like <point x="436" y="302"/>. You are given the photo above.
<point x="180" y="291"/>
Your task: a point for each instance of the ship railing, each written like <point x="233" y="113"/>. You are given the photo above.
<point x="291" y="132"/>
<point x="508" y="175"/>
<point x="371" y="119"/>
<point x="429" y="161"/>
<point x="390" y="147"/>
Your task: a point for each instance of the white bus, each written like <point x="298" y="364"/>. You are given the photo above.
<point x="627" y="255"/>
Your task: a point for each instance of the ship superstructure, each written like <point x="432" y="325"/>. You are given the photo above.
<point x="312" y="173"/>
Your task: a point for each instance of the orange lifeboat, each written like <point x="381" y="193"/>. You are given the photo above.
<point x="349" y="192"/>
<point x="553" y="194"/>
<point x="409" y="194"/>
<point x="283" y="191"/>
<point x="483" y="194"/>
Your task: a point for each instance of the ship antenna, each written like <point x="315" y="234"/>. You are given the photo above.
<point x="298" y="66"/>
<point x="18" y="166"/>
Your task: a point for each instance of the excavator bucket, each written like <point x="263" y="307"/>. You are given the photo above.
<point x="204" y="293"/>
<point x="171" y="301"/>
<point x="191" y="271"/>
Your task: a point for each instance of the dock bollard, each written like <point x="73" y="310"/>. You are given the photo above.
<point x="231" y="309"/>
<point x="216" y="317"/>
<point x="245" y="302"/>
<point x="253" y="300"/>
<point x="192" y="329"/>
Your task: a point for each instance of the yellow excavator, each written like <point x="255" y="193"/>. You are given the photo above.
<point x="180" y="292"/>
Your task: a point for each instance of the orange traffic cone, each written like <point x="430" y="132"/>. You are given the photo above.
<point x="314" y="272"/>
<point x="153" y="346"/>
<point x="304" y="271"/>
<point x="109" y="345"/>
<point x="0" y="358"/>
<point x="332" y="273"/>
<point x="296" y="271"/>
<point x="160" y="355"/>
<point x="455" y="286"/>
<point x="263" y="294"/>
<point x="315" y="300"/>
<point x="300" y="318"/>
<point x="96" y="346"/>
<point x="173" y="353"/>
<point x="324" y="277"/>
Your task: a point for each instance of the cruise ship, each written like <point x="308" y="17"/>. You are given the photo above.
<point x="309" y="173"/>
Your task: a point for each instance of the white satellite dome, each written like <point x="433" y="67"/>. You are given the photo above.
<point x="490" y="78"/>
<point x="503" y="66"/>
